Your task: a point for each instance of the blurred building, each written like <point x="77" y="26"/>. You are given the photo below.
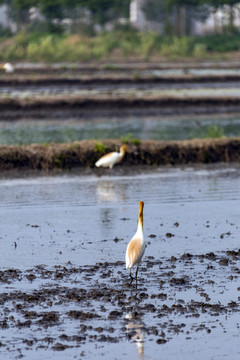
<point x="35" y="14"/>
<point x="5" y="21"/>
<point x="217" y="20"/>
<point x="137" y="17"/>
<point x="214" y="22"/>
<point x="139" y="20"/>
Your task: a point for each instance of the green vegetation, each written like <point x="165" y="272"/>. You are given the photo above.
<point x="112" y="45"/>
<point x="58" y="160"/>
<point x="215" y="131"/>
<point x="100" y="148"/>
<point x="48" y="39"/>
<point x="129" y="138"/>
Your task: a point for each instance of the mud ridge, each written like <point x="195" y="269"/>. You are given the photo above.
<point x="84" y="154"/>
<point x="62" y="107"/>
<point x="115" y="80"/>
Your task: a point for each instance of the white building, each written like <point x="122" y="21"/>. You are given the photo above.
<point x="217" y="20"/>
<point x="5" y="20"/>
<point x="213" y="23"/>
<point x="137" y="17"/>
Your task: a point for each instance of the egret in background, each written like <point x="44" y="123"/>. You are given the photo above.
<point x="136" y="246"/>
<point x="110" y="159"/>
<point x="9" y="68"/>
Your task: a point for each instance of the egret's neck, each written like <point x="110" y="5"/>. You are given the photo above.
<point x="122" y="152"/>
<point x="140" y="221"/>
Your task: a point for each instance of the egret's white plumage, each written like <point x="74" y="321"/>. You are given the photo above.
<point x="9" y="68"/>
<point x="136" y="246"/>
<point x="109" y="160"/>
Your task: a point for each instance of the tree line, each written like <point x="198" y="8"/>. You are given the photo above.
<point x="177" y="15"/>
<point x="98" y="11"/>
<point x="174" y="15"/>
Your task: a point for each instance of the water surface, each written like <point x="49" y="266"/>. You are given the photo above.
<point x="145" y="127"/>
<point x="54" y="229"/>
<point x="81" y="215"/>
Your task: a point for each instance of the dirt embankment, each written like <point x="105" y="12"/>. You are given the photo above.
<point x="85" y="153"/>
<point x="112" y="79"/>
<point x="88" y="107"/>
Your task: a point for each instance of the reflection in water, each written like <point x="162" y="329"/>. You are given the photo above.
<point x="135" y="330"/>
<point x="108" y="219"/>
<point x="106" y="191"/>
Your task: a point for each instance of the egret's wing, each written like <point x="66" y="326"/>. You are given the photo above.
<point x="108" y="159"/>
<point x="134" y="253"/>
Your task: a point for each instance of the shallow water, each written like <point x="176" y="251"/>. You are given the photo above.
<point x="30" y="91"/>
<point x="192" y="71"/>
<point x="200" y="90"/>
<point x="144" y="127"/>
<point x="81" y="215"/>
<point x="68" y="223"/>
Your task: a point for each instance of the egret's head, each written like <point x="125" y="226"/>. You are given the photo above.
<point x="123" y="148"/>
<point x="141" y="205"/>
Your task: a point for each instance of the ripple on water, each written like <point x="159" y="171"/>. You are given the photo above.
<point x="77" y="218"/>
<point x="174" y="185"/>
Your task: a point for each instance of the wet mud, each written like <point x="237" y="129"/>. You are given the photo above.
<point x="185" y="295"/>
<point x="65" y="294"/>
<point x="61" y="107"/>
<point x="58" y="91"/>
<point x="115" y="79"/>
<point x="149" y="152"/>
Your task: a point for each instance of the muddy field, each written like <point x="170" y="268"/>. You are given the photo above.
<point x="65" y="291"/>
<point x="117" y="74"/>
<point x="129" y="66"/>
<point x="62" y="108"/>
<point x="76" y="90"/>
<point x="154" y="77"/>
<point x="76" y="311"/>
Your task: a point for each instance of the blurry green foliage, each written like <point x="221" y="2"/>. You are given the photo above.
<point x="52" y="47"/>
<point x="215" y="131"/>
<point x="129" y="138"/>
<point x="100" y="147"/>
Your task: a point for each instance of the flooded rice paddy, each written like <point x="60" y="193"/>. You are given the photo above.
<point x="127" y="92"/>
<point x="137" y="89"/>
<point x="228" y="88"/>
<point x="65" y="292"/>
<point x="145" y="127"/>
<point x="64" y="288"/>
<point x="198" y="67"/>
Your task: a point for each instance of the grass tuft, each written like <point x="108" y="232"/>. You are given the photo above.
<point x="215" y="131"/>
<point x="129" y="138"/>
<point x="100" y="148"/>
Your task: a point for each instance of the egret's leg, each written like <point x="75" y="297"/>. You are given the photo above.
<point x="136" y="276"/>
<point x="130" y="276"/>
